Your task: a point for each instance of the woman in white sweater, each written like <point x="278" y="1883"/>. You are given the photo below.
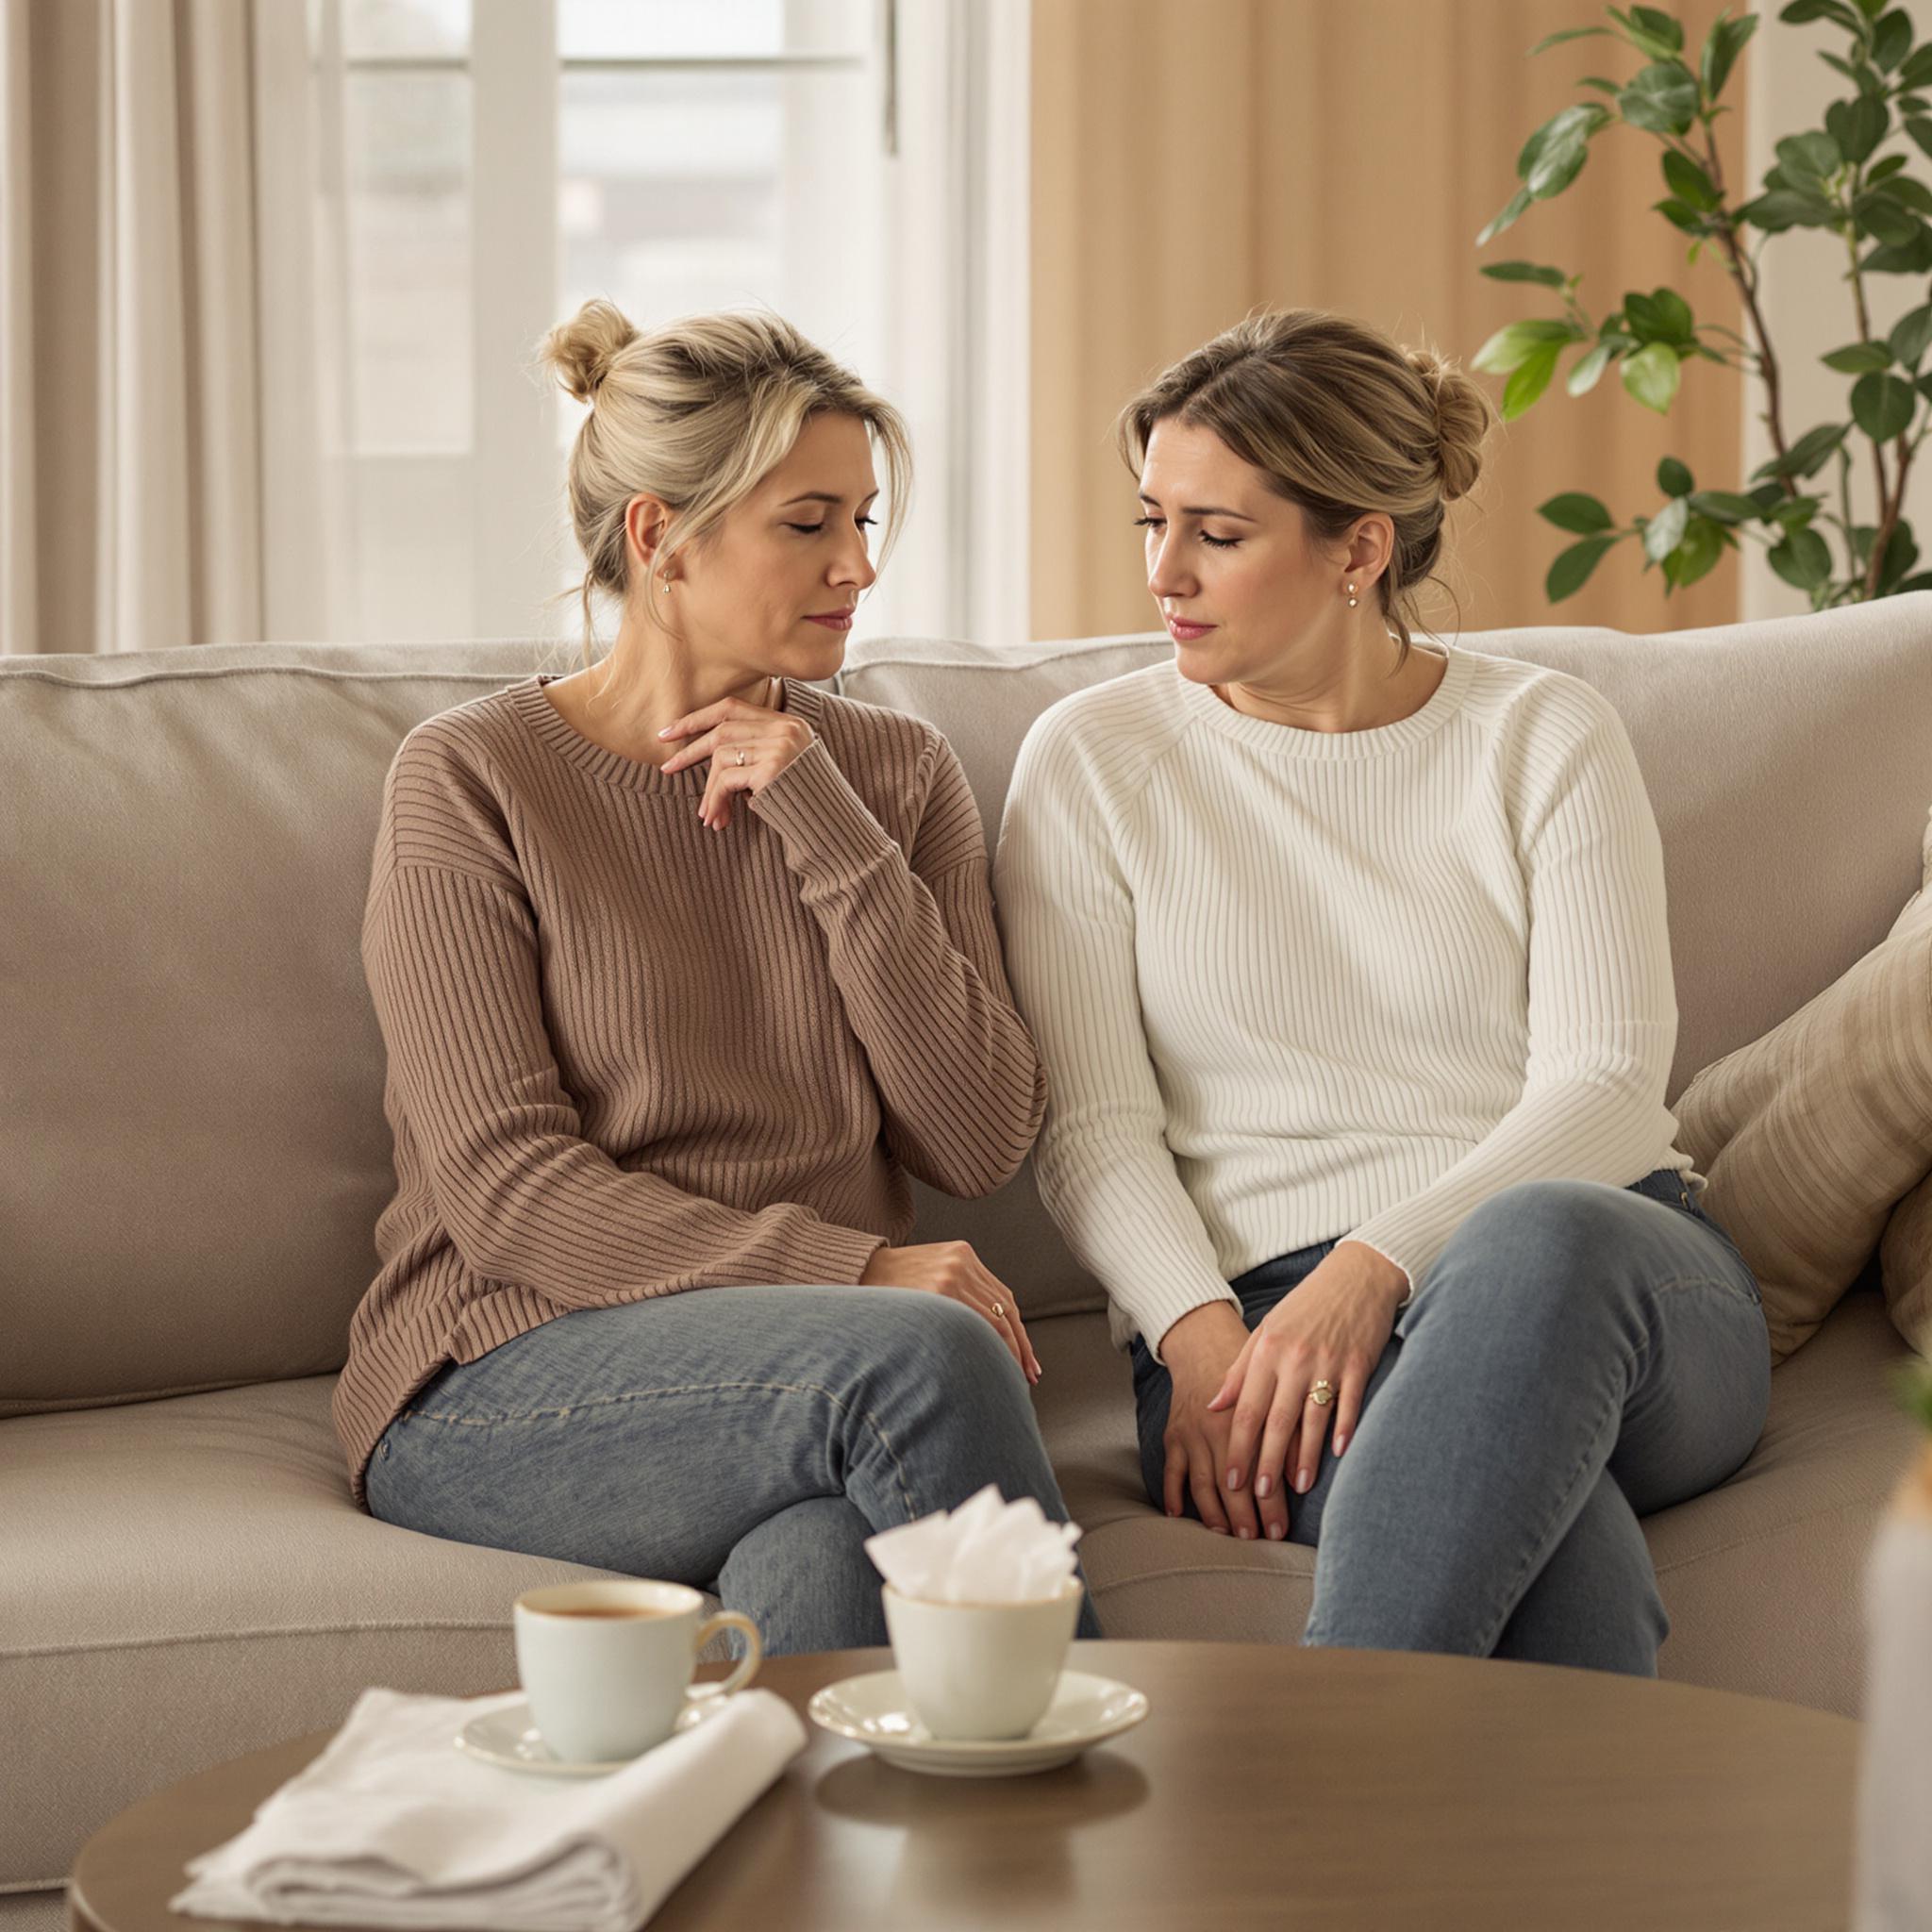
<point x="1348" y="961"/>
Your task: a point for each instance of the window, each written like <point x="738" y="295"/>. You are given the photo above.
<point x="474" y="173"/>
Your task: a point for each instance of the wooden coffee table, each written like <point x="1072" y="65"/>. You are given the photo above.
<point x="1270" y="1786"/>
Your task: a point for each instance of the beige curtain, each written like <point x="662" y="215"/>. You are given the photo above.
<point x="1191" y="161"/>
<point x="130" y="473"/>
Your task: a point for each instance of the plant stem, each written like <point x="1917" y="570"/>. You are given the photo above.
<point x="1888" y="503"/>
<point x="1742" y="274"/>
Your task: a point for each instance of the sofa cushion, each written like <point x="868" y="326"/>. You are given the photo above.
<point x="194" y="1153"/>
<point x="1813" y="1133"/>
<point x="1762" y="1576"/>
<point x="191" y="1575"/>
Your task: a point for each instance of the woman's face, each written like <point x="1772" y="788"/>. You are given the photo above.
<point x="1246" y="597"/>
<point x="772" y="589"/>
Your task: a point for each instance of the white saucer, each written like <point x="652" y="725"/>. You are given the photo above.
<point x="872" y="1710"/>
<point x="507" y="1737"/>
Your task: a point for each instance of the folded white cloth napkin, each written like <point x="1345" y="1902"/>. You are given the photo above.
<point x="394" y="1825"/>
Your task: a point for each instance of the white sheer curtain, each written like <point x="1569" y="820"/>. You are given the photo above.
<point x="130" y="436"/>
<point x="200" y="438"/>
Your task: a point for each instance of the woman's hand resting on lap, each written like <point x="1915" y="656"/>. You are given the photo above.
<point x="1199" y="1350"/>
<point x="953" y="1270"/>
<point x="1335" y="1324"/>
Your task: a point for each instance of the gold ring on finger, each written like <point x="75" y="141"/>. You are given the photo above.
<point x="999" y="1308"/>
<point x="1322" y="1393"/>
<point x="740" y="754"/>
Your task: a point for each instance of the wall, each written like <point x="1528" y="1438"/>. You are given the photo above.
<point x="1193" y="158"/>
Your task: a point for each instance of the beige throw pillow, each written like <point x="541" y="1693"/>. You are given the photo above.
<point x="1811" y="1134"/>
<point x="1905" y="1255"/>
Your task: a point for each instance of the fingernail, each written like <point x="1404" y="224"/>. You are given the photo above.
<point x="1263" y="1484"/>
<point x="1234" y="1477"/>
<point x="1340" y="1443"/>
<point x="1217" y="1530"/>
<point x="1302" y="1480"/>
<point x="1247" y="1535"/>
<point x="665" y="731"/>
<point x="1274" y="1531"/>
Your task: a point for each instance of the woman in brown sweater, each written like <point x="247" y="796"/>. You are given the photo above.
<point x="682" y="966"/>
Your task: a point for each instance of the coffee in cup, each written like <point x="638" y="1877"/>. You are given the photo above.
<point x="608" y="1666"/>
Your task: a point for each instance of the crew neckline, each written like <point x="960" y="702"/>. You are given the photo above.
<point x="1295" y="741"/>
<point x="553" y="728"/>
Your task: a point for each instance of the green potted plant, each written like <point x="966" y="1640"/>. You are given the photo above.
<point x="1848" y="177"/>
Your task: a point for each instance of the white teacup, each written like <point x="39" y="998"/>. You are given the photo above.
<point x="981" y="1670"/>
<point x="607" y="1667"/>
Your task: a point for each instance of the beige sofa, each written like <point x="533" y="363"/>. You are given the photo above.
<point x="193" y="1154"/>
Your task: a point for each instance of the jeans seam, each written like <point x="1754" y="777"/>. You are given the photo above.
<point x="865" y="1415"/>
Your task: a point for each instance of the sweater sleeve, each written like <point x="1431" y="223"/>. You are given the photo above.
<point x="1602" y="1010"/>
<point x="915" y="952"/>
<point x="452" y="960"/>
<point x="1106" y="1172"/>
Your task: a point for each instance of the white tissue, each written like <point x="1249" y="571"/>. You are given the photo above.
<point x="985" y="1551"/>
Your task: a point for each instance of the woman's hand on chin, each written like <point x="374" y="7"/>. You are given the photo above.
<point x="748" y="746"/>
<point x="1334" y="1324"/>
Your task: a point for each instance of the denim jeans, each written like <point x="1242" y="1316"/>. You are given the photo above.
<point x="1577" y="1356"/>
<point x="742" y="1440"/>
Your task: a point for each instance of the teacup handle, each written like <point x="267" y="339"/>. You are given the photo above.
<point x="747" y="1665"/>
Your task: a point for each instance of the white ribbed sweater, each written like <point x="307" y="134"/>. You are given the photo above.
<point x="1296" y="985"/>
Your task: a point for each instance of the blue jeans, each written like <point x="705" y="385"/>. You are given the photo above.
<point x="742" y="1440"/>
<point x="1579" y="1357"/>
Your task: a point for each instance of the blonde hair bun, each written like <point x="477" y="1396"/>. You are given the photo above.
<point x="1462" y="420"/>
<point x="582" y="349"/>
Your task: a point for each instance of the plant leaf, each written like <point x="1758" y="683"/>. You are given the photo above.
<point x="1507" y="214"/>
<point x="1572" y="567"/>
<point x="1883" y="216"/>
<point x="1883" y="406"/>
<point x="1785" y="208"/>
<point x="1652" y="375"/>
<point x="1858" y="127"/>
<point x="1724" y="507"/>
<point x="1528" y="382"/>
<point x="1911" y="336"/>
<point x="1906" y="191"/>
<point x="1673" y="479"/>
<point x="1659" y="25"/>
<point x="1688" y="181"/>
<point x="1525" y="272"/>
<point x="1891" y="40"/>
<point x="1912" y="257"/>
<point x="1569" y="33"/>
<point x="1721" y="46"/>
<point x="1584" y="373"/>
<point x="1663" y="99"/>
<point x="1859" y="358"/>
<point x="1901" y="552"/>
<point x="1805" y="456"/>
<point x="1515" y="342"/>
<point x="1805" y="161"/>
<point x="1697" y="554"/>
<point x="1664" y="531"/>
<point x="1578" y="511"/>
<point x="1802" y="559"/>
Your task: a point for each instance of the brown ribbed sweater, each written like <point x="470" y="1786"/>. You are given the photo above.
<point x="628" y="1055"/>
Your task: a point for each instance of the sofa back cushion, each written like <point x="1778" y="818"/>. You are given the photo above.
<point x="194" y="1151"/>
